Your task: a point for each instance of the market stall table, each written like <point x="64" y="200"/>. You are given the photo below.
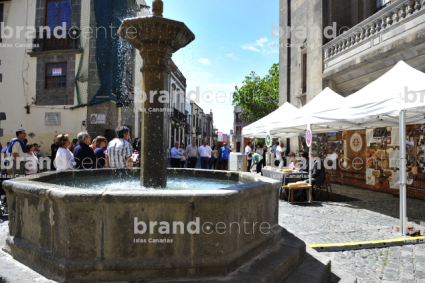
<point x="292" y="189"/>
<point x="285" y="178"/>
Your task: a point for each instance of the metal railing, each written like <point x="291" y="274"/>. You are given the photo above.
<point x="178" y="116"/>
<point x="385" y="19"/>
<point x="43" y="43"/>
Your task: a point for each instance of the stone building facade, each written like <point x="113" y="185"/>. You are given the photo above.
<point x="46" y="84"/>
<point x="349" y="44"/>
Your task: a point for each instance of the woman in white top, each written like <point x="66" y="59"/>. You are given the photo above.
<point x="259" y="150"/>
<point x="64" y="158"/>
<point x="32" y="164"/>
<point x="214" y="158"/>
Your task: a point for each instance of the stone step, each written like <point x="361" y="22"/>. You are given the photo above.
<point x="317" y="268"/>
<point x="270" y="267"/>
<point x="312" y="270"/>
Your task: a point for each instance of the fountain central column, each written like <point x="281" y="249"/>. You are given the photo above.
<point x="157" y="39"/>
<point x="154" y="133"/>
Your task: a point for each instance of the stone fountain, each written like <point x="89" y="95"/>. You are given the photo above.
<point x="74" y="233"/>
<point x="157" y="39"/>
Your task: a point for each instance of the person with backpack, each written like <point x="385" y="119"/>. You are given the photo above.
<point x="18" y="150"/>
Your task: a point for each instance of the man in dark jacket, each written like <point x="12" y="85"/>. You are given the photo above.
<point x="318" y="176"/>
<point x="83" y="155"/>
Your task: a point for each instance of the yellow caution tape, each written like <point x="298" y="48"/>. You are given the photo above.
<point x="367" y="242"/>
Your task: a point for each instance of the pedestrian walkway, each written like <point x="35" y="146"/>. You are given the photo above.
<point x="366" y="215"/>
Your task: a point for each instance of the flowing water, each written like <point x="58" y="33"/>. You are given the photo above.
<point x="133" y="183"/>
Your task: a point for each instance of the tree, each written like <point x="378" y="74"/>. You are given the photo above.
<point x="258" y="96"/>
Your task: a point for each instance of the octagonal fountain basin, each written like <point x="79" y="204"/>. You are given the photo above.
<point x="116" y="232"/>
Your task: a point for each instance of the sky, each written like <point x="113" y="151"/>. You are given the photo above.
<point x="233" y="38"/>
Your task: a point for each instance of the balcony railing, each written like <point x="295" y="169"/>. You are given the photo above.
<point x="198" y="130"/>
<point x="178" y="116"/>
<point x="378" y="28"/>
<point x="43" y="43"/>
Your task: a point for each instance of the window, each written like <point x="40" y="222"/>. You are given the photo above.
<point x="1" y="18"/>
<point x="58" y="12"/>
<point x="304" y="73"/>
<point x="56" y="75"/>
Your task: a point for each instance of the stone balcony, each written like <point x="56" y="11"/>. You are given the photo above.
<point x="369" y="49"/>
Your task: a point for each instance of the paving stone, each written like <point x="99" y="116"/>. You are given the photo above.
<point x="361" y="220"/>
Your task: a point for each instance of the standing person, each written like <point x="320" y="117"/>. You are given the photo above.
<point x="54" y="149"/>
<point x="18" y="150"/>
<point x="119" y="152"/>
<point x="205" y="153"/>
<point x="279" y="154"/>
<point x="83" y="155"/>
<point x="64" y="158"/>
<point x="4" y="150"/>
<point x="74" y="143"/>
<point x="99" y="152"/>
<point x="259" y="149"/>
<point x="273" y="150"/>
<point x="214" y="157"/>
<point x="32" y="164"/>
<point x="183" y="157"/>
<point x="224" y="151"/>
<point x="249" y="159"/>
<point x="192" y="154"/>
<point x="318" y="174"/>
<point x="137" y="150"/>
<point x="37" y="151"/>
<point x="4" y="154"/>
<point x="265" y="150"/>
<point x="93" y="145"/>
<point x="282" y="146"/>
<point x="176" y="153"/>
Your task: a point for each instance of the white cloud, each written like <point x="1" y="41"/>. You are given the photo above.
<point x="231" y="55"/>
<point x="204" y="61"/>
<point x="260" y="46"/>
<point x="250" y="47"/>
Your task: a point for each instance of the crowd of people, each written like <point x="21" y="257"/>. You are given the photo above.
<point x="23" y="158"/>
<point x="82" y="152"/>
<point x="211" y="158"/>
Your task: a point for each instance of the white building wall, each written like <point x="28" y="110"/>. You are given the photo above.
<point x="19" y="86"/>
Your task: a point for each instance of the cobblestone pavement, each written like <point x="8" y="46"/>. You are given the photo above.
<point x="368" y="216"/>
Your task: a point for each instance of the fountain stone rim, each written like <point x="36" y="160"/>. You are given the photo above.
<point x="40" y="185"/>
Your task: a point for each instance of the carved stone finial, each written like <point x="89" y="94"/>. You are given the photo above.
<point x="157" y="8"/>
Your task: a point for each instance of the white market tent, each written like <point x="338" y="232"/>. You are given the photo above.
<point x="376" y="105"/>
<point x="395" y="99"/>
<point x="259" y="128"/>
<point x="319" y="112"/>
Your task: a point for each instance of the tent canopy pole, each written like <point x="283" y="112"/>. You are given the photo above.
<point x="402" y="132"/>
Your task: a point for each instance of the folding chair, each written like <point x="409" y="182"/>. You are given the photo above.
<point x="327" y="185"/>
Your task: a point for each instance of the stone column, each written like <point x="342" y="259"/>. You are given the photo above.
<point x="155" y="125"/>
